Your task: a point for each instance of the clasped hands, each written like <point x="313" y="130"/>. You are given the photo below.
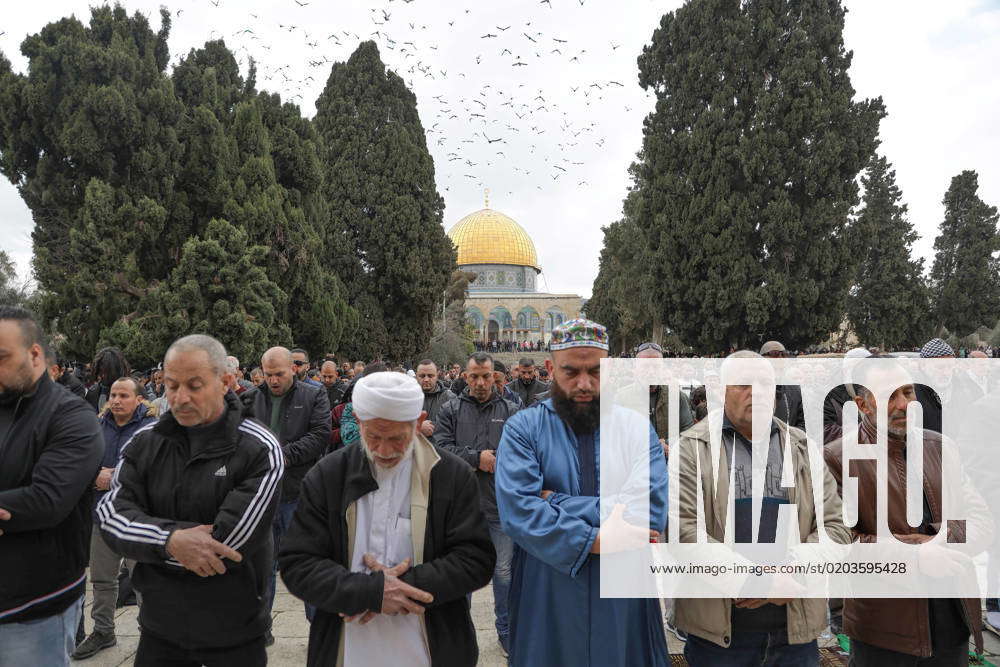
<point x="398" y="597"/>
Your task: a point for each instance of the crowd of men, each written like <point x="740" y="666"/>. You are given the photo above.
<point x="384" y="497"/>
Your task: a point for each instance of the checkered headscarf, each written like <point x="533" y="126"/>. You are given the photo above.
<point x="936" y="348"/>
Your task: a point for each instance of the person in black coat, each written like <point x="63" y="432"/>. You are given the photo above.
<point x="196" y="487"/>
<point x="50" y="451"/>
<point x="298" y="414"/>
<point x="342" y="555"/>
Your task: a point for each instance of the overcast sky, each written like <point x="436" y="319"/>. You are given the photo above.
<point x="555" y="135"/>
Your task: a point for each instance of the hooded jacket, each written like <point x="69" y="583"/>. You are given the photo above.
<point x="433" y="400"/>
<point x="116" y="436"/>
<point x="466" y="427"/>
<point x="161" y="485"/>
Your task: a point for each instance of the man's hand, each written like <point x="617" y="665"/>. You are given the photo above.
<point x="913" y="538"/>
<point x="4" y="516"/>
<point x="487" y="460"/>
<point x="545" y="494"/>
<point x="103" y="481"/>
<point x="616" y="534"/>
<point x="398" y="597"/>
<point x="666" y="448"/>
<point x="196" y="550"/>
<point x="427" y="428"/>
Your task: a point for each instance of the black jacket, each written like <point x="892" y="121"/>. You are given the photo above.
<point x="788" y="405"/>
<point x="465" y="427"/>
<point x="49" y="458"/>
<point x="70" y="381"/>
<point x="435" y="399"/>
<point x="160" y="486"/>
<point x="528" y="393"/>
<point x="458" y="556"/>
<point x="305" y="428"/>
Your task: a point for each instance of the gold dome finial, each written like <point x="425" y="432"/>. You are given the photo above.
<point x="487" y="198"/>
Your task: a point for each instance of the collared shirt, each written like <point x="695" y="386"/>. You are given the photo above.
<point x="383" y="530"/>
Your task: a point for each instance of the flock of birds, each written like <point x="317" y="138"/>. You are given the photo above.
<point x="487" y="114"/>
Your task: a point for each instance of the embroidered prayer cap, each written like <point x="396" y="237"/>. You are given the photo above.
<point x="393" y="396"/>
<point x="936" y="348"/>
<point x="579" y="333"/>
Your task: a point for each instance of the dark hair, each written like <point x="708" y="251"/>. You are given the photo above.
<point x="110" y="362"/>
<point x="499" y="367"/>
<point x="299" y="350"/>
<point x="525" y="361"/>
<point x="480" y="358"/>
<point x="31" y="333"/>
<point x="427" y="362"/>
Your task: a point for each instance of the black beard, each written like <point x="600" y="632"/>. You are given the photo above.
<point x="582" y="417"/>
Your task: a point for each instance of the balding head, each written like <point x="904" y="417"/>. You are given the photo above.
<point x="328" y="373"/>
<point x="277" y="366"/>
<point x="978" y="354"/>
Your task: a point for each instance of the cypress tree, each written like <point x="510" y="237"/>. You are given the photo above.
<point x="965" y="276"/>
<point x="93" y="113"/>
<point x="748" y="169"/>
<point x="219" y="287"/>
<point x="889" y="304"/>
<point x="385" y="212"/>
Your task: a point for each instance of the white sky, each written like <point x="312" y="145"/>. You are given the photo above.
<point x="563" y="169"/>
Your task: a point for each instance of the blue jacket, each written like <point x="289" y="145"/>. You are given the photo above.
<point x="116" y="436"/>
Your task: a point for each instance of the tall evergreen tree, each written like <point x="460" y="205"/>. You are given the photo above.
<point x="889" y="304"/>
<point x="748" y="169"/>
<point x="385" y="210"/>
<point x="220" y="288"/>
<point x="94" y="110"/>
<point x="965" y="276"/>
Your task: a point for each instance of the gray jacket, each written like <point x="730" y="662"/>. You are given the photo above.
<point x="433" y="400"/>
<point x="465" y="427"/>
<point x="528" y="393"/>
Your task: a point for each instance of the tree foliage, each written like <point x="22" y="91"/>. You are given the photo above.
<point x="328" y="229"/>
<point x="965" y="276"/>
<point x="747" y="170"/>
<point x="379" y="182"/>
<point x="889" y="303"/>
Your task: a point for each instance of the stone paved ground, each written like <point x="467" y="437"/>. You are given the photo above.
<point x="291" y="632"/>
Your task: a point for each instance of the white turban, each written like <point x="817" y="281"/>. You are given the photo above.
<point x="392" y="396"/>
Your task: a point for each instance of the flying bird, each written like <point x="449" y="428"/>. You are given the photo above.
<point x="502" y="29"/>
<point x="528" y="36"/>
<point x="487" y="36"/>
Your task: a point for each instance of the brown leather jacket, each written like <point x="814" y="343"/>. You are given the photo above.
<point x="896" y="624"/>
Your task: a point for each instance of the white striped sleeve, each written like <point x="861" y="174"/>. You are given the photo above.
<point x="263" y="495"/>
<point x="117" y="524"/>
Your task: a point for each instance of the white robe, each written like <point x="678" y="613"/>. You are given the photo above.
<point x="383" y="530"/>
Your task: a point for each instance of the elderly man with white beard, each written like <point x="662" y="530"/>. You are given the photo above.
<point x="387" y="541"/>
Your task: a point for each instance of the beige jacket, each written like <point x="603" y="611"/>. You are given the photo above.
<point x="711" y="618"/>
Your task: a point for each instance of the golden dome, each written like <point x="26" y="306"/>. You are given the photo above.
<point x="490" y="237"/>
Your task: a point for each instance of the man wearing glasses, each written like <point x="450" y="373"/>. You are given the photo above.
<point x="300" y="360"/>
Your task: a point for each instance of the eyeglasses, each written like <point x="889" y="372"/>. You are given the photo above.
<point x="649" y="346"/>
<point x="298" y="363"/>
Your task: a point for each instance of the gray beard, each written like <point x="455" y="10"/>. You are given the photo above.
<point x="376" y="464"/>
